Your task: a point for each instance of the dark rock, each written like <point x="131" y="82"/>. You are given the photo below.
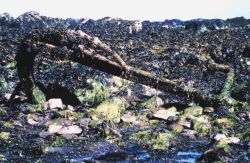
<point x="219" y="154"/>
<point x="246" y="52"/>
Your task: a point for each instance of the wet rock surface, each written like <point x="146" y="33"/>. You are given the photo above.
<point x="80" y="114"/>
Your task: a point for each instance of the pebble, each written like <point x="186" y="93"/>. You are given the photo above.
<point x="54" y="103"/>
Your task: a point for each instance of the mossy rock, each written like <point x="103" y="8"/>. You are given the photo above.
<point x="224" y="122"/>
<point x="151" y="104"/>
<point x="144" y="137"/>
<point x="95" y="95"/>
<point x="154" y="122"/>
<point x="193" y="111"/>
<point x="9" y="124"/>
<point x="109" y="110"/>
<point x="38" y="96"/>
<point x="202" y="128"/>
<point x="2" y="158"/>
<point x="223" y="144"/>
<point x="4" y="135"/>
<point x="162" y="141"/>
<point x="177" y="128"/>
<point x="159" y="141"/>
<point x="11" y="64"/>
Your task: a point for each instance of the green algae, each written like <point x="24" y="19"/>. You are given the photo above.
<point x="159" y="141"/>
<point x="193" y="111"/>
<point x="38" y="96"/>
<point x="110" y="110"/>
<point x="95" y="95"/>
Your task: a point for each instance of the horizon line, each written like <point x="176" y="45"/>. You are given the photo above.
<point x="142" y="20"/>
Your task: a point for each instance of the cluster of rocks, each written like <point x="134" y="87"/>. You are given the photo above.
<point x="110" y="113"/>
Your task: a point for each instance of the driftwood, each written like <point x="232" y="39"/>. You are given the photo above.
<point x="84" y="49"/>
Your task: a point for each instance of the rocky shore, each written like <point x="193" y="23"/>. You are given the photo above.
<point x="78" y="114"/>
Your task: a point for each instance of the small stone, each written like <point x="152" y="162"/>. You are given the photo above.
<point x="128" y="118"/>
<point x="228" y="140"/>
<point x="54" y="103"/>
<point x="44" y="134"/>
<point x="84" y="122"/>
<point x="71" y="108"/>
<point x="54" y="128"/>
<point x="4" y="135"/>
<point x="186" y="124"/>
<point x="67" y="130"/>
<point x="2" y="158"/>
<point x="166" y="113"/>
<point x="209" y="110"/>
<point x="32" y="121"/>
<point x="233" y="140"/>
<point x="7" y="96"/>
<point x="218" y="137"/>
<point x="191" y="134"/>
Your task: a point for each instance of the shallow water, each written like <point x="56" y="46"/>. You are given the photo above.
<point x="137" y="153"/>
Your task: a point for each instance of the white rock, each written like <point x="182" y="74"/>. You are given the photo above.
<point x="54" y="129"/>
<point x="71" y="108"/>
<point x="7" y="96"/>
<point x="70" y="130"/>
<point x="233" y="140"/>
<point x="128" y="118"/>
<point x="151" y="91"/>
<point x="32" y="121"/>
<point x="222" y="137"/>
<point x="82" y="34"/>
<point x="54" y="103"/>
<point x="135" y="28"/>
<point x="185" y="123"/>
<point x="44" y="134"/>
<point x="218" y="137"/>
